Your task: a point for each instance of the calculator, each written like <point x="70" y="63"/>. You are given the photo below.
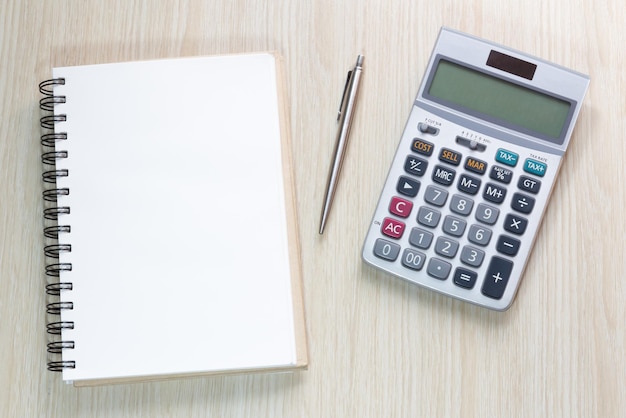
<point x="474" y="170"/>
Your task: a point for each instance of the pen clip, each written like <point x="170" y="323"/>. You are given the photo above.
<point x="343" y="96"/>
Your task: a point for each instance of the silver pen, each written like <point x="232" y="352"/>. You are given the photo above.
<point x="346" y="112"/>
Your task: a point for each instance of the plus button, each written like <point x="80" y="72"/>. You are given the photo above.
<point x="499" y="271"/>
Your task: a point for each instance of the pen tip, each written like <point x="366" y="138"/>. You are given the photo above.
<point x="359" y="60"/>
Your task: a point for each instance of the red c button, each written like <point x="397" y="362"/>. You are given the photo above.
<point x="400" y="207"/>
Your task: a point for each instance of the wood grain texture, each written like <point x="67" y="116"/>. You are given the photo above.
<point x="377" y="346"/>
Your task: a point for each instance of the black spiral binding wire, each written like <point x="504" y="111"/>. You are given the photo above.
<point x="50" y="140"/>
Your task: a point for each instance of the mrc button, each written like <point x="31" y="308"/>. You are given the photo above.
<point x="535" y="167"/>
<point x="443" y="175"/>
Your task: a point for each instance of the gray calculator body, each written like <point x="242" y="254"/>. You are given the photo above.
<point x="474" y="170"/>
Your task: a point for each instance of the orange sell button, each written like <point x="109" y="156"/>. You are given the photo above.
<point x="450" y="157"/>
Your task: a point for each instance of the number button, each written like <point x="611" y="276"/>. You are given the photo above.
<point x="435" y="196"/>
<point x="413" y="259"/>
<point x="479" y="235"/>
<point x="420" y="238"/>
<point x="461" y="205"/>
<point x="446" y="247"/>
<point x="428" y="217"/>
<point x="515" y="224"/>
<point x="472" y="256"/>
<point x="454" y="226"/>
<point x="487" y="214"/>
<point x="386" y="250"/>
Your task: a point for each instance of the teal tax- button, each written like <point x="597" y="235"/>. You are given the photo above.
<point x="506" y="157"/>
<point x="535" y="167"/>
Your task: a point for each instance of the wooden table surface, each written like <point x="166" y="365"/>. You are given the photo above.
<point x="378" y="347"/>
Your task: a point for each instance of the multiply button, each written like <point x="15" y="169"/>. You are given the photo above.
<point x="515" y="224"/>
<point x="497" y="277"/>
<point x="422" y="147"/>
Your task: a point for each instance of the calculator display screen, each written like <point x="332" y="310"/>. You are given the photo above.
<point x="494" y="99"/>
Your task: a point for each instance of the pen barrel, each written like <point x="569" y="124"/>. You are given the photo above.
<point x="347" y="113"/>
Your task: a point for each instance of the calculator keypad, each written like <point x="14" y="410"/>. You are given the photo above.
<point x="451" y="207"/>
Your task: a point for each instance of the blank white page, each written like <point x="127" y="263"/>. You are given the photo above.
<point x="180" y="252"/>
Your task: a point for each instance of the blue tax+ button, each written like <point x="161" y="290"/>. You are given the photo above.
<point x="506" y="157"/>
<point x="535" y="167"/>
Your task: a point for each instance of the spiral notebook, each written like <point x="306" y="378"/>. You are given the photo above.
<point x="170" y="219"/>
